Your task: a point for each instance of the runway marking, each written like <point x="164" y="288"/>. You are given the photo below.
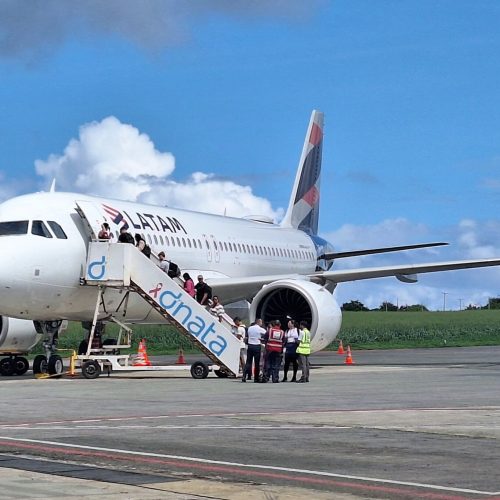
<point x="235" y="467"/>
<point x="243" y="414"/>
<point x="297" y="427"/>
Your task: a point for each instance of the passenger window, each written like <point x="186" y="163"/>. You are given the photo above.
<point x="15" y="227"/>
<point x="150" y="239"/>
<point x="58" y="230"/>
<point x="40" y="229"/>
<point x="161" y="239"/>
<point x="156" y="239"/>
<point x="199" y="244"/>
<point x="173" y="241"/>
<point x="189" y="242"/>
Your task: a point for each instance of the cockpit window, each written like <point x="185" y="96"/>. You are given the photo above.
<point x="58" y="230"/>
<point x="14" y="227"/>
<point x="40" y="229"/>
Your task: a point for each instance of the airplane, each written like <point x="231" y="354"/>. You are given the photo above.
<point x="283" y="270"/>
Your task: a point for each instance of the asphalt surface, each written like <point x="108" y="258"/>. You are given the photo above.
<point x="421" y="423"/>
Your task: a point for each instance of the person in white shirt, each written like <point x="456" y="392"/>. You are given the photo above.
<point x="255" y="334"/>
<point x="291" y="343"/>
<point x="240" y="331"/>
<point x="163" y="265"/>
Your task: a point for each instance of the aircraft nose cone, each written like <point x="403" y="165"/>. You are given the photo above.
<point x="13" y="272"/>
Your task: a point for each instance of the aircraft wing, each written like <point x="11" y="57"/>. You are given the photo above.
<point x="399" y="272"/>
<point x="244" y="288"/>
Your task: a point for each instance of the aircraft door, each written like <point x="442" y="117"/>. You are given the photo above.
<point x="216" y="248"/>
<point x="208" y="249"/>
<point x="92" y="217"/>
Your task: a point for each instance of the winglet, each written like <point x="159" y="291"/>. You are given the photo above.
<point x="303" y="208"/>
<point x="53" y="186"/>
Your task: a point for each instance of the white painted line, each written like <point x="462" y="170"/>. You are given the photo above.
<point x="191" y="427"/>
<point x="243" y="414"/>
<point x="253" y="466"/>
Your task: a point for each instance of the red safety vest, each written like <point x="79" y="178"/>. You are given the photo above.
<point x="275" y="341"/>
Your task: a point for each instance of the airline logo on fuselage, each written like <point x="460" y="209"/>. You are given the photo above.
<point x="141" y="221"/>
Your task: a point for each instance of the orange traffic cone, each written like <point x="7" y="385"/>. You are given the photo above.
<point x="348" y="358"/>
<point x="180" y="359"/>
<point x="341" y="348"/>
<point x="142" y="355"/>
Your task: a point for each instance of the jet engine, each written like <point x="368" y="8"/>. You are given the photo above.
<point x="17" y="336"/>
<point x="302" y="301"/>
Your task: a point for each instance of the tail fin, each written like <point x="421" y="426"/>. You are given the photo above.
<point x="303" y="209"/>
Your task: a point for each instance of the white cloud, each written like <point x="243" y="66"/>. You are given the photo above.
<point x="115" y="160"/>
<point x="470" y="239"/>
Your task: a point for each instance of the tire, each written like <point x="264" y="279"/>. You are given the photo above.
<point x="7" y="367"/>
<point x="40" y="364"/>
<point x="221" y="374"/>
<point x="21" y="365"/>
<point x="91" y="369"/>
<point x="199" y="370"/>
<point x="55" y="365"/>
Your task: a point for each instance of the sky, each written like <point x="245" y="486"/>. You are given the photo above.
<point x="204" y="105"/>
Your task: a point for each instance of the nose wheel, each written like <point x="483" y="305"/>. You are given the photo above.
<point x="40" y="365"/>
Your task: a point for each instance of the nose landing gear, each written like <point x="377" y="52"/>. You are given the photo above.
<point x="50" y="363"/>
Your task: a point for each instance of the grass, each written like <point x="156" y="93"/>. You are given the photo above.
<point x="390" y="330"/>
<point x="362" y="330"/>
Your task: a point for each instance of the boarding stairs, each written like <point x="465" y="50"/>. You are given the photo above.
<point x="123" y="266"/>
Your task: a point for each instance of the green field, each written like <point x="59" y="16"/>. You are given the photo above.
<point x="385" y="330"/>
<point x="362" y="330"/>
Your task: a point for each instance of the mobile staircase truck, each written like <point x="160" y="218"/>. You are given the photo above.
<point x="122" y="266"/>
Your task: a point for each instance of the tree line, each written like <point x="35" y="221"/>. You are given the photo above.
<point x="356" y="305"/>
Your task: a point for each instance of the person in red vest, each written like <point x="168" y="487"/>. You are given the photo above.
<point x="274" y="348"/>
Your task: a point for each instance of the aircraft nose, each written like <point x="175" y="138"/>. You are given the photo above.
<point x="13" y="269"/>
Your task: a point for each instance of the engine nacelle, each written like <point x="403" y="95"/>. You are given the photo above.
<point x="300" y="300"/>
<point x="17" y="336"/>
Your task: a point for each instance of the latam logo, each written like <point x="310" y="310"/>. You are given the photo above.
<point x="142" y="220"/>
<point x="195" y="325"/>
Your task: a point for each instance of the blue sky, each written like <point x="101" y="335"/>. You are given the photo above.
<point x="410" y="92"/>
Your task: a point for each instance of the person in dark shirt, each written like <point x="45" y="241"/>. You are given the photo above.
<point x="125" y="236"/>
<point x="203" y="291"/>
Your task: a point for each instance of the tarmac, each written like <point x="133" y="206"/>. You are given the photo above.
<point x="412" y="423"/>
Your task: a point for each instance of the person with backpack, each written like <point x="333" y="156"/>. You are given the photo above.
<point x="168" y="266"/>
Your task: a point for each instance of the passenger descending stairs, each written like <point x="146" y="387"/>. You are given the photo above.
<point x="122" y="266"/>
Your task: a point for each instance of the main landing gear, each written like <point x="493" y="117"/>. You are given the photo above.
<point x="49" y="363"/>
<point x="13" y="365"/>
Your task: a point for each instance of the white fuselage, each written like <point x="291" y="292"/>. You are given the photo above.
<point x="40" y="275"/>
